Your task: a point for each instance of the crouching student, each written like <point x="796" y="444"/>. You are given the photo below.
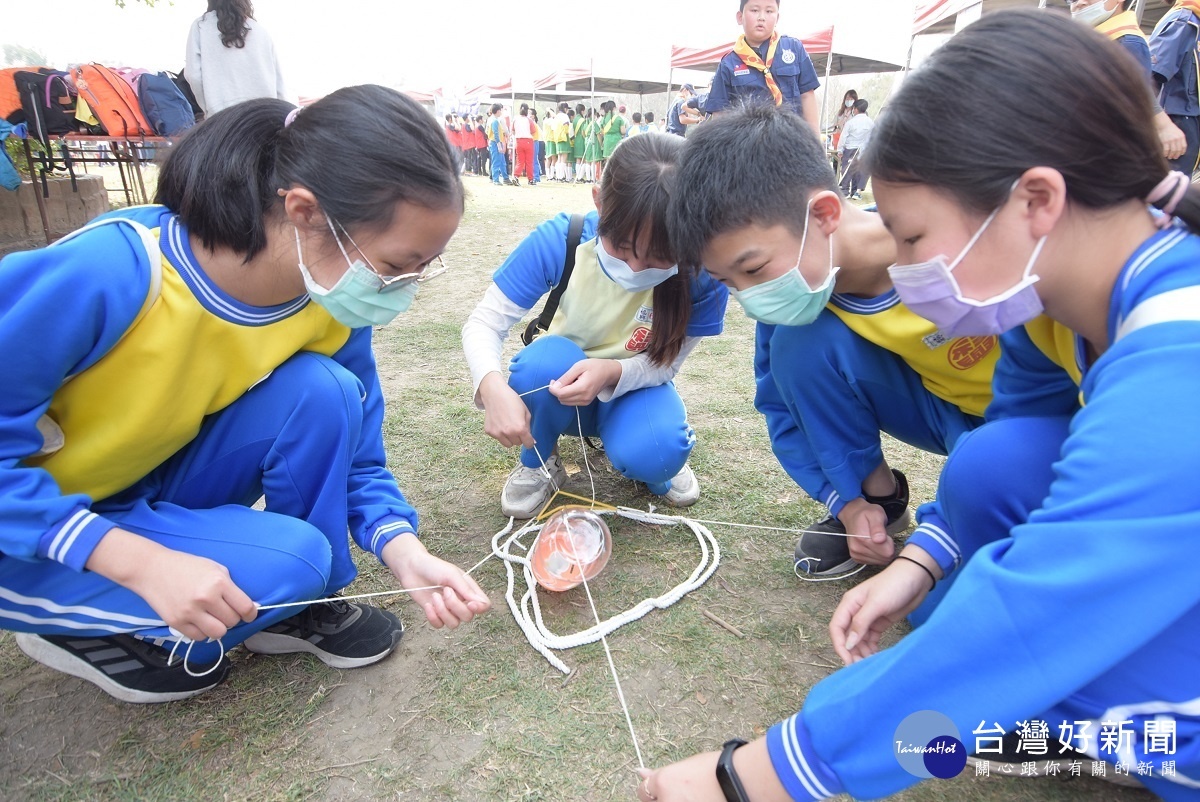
<point x="625" y="323"/>
<point x="838" y="357"/>
<point x="1095" y="509"/>
<point x="168" y="365"/>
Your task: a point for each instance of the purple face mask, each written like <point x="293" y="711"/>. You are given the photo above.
<point x="929" y="289"/>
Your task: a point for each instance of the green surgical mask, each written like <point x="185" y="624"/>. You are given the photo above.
<point x="787" y="300"/>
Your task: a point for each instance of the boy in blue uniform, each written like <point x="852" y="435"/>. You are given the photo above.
<point x="765" y="67"/>
<point x="1173" y="60"/>
<point x="838" y="358"/>
<point x="1095" y="511"/>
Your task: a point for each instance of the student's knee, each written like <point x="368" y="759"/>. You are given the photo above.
<point x="648" y="439"/>
<point x="543" y="360"/>
<point x="322" y="392"/>
<point x="1000" y="473"/>
<point x="291" y="560"/>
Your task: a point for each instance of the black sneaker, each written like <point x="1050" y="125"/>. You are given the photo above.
<point x="1012" y="761"/>
<point x="828" y="555"/>
<point x="341" y="634"/>
<point x="123" y="666"/>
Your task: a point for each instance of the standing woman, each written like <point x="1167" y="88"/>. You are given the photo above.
<point x="592" y="147"/>
<point x="230" y="57"/>
<point x="626" y="321"/>
<point x="1007" y="216"/>
<point x="169" y="365"/>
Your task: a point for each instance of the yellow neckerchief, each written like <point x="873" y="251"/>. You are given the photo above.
<point x="578" y="126"/>
<point x="751" y="59"/>
<point x="1191" y="5"/>
<point x="609" y="119"/>
<point x="1119" y="25"/>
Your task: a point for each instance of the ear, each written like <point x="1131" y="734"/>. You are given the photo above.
<point x="739" y="19"/>
<point x="596" y="197"/>
<point x="1042" y="195"/>
<point x="826" y="211"/>
<point x="301" y="207"/>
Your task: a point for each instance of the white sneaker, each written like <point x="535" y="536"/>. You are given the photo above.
<point x="528" y="489"/>
<point x="685" y="489"/>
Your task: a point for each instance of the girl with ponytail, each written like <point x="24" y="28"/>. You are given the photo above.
<point x="171" y="364"/>
<point x="1059" y="579"/>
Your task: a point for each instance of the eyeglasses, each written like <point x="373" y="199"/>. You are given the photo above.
<point x="387" y="283"/>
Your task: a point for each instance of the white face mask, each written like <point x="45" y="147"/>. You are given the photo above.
<point x="849" y="103"/>
<point x="626" y="277"/>
<point x="1094" y="14"/>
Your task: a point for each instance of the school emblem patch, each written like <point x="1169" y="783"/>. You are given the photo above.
<point x="640" y="340"/>
<point x="967" y="352"/>
<point x="789" y="56"/>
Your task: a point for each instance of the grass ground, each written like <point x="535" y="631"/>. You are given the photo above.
<point x="476" y="714"/>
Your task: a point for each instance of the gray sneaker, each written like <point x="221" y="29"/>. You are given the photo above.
<point x="684" y="490"/>
<point x="528" y="489"/>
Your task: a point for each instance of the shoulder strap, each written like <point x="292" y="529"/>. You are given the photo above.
<point x="542" y="322"/>
<point x="1167" y="307"/>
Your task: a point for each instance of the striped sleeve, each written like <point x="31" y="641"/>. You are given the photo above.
<point x="804" y="775"/>
<point x="933" y="536"/>
<point x="73" y="539"/>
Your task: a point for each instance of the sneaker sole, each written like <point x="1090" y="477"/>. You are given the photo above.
<point x="274" y="643"/>
<point x="51" y="656"/>
<point x="849" y="566"/>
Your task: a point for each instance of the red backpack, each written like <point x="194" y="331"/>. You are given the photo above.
<point x="112" y="101"/>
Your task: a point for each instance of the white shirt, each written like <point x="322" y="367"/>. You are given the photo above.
<point x="856" y="132"/>
<point x="521" y="127"/>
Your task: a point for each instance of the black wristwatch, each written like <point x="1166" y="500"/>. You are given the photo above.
<point x="727" y="778"/>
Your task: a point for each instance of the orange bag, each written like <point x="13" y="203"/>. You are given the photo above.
<point x="112" y="100"/>
<point x="10" y="98"/>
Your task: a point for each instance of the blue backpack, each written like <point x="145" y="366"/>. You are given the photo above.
<point x="165" y="107"/>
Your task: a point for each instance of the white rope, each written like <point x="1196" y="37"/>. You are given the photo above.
<point x="528" y="611"/>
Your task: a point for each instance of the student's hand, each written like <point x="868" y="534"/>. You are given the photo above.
<point x="1174" y="143"/>
<point x="870" y="608"/>
<point x="694" y="779"/>
<point x="194" y="595"/>
<point x="580" y="385"/>
<point x="873" y="546"/>
<point x="506" y="418"/>
<point x="460" y="600"/>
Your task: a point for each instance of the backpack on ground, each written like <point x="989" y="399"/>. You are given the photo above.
<point x="47" y="103"/>
<point x="112" y="100"/>
<point x="542" y="322"/>
<point x="165" y="107"/>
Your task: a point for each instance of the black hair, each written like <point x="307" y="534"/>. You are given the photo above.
<point x="1106" y="148"/>
<point x="224" y="176"/>
<point x="579" y="108"/>
<point x="524" y="109"/>
<point x="564" y="106"/>
<point x="634" y="194"/>
<point x="231" y="20"/>
<point x="742" y="7"/>
<point x="448" y="117"/>
<point x="861" y="106"/>
<point x="732" y="184"/>
<point x="496" y="107"/>
<point x="649" y="117"/>
<point x="637" y="117"/>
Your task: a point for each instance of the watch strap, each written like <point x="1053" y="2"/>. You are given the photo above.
<point x="727" y="777"/>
